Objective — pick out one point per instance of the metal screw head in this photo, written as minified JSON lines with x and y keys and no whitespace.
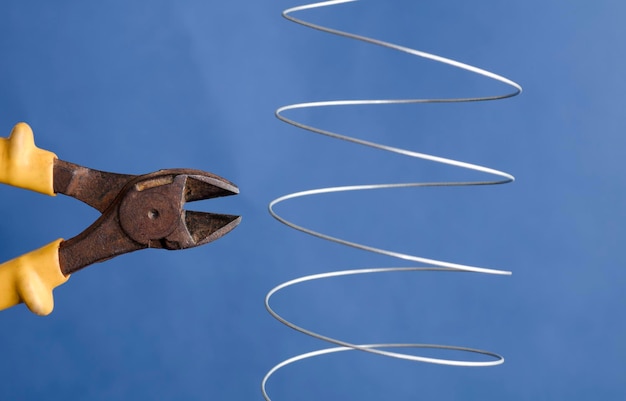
{"x":148,"y":213}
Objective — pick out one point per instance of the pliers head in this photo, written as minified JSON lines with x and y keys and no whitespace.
{"x":151,"y":209}
{"x":147,"y":212}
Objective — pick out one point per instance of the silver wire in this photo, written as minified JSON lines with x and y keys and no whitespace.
{"x":431,"y":264}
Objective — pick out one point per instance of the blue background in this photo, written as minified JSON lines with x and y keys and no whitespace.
{"x":133,"y":87}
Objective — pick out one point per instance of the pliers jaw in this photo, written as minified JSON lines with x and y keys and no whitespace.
{"x":147,"y":213}
{"x":151,"y":210}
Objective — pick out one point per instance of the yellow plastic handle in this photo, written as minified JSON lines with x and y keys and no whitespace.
{"x":30,"y":278}
{"x":24,"y":165}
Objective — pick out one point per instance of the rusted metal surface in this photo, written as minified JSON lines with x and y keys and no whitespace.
{"x":93,"y":187}
{"x":140,"y":212}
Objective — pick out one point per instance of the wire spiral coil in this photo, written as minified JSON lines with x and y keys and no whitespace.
{"x":500,"y":177}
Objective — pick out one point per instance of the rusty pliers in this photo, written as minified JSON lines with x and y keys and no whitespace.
{"x":138,"y":212}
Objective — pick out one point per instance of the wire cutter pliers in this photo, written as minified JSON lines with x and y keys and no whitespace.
{"x":138,"y":212}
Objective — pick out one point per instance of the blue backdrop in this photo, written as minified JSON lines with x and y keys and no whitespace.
{"x":133,"y":87}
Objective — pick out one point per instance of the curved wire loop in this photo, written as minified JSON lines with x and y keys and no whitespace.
{"x":500,"y":177}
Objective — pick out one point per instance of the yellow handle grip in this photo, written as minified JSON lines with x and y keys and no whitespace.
{"x":30,"y":278}
{"x":24,"y":165}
